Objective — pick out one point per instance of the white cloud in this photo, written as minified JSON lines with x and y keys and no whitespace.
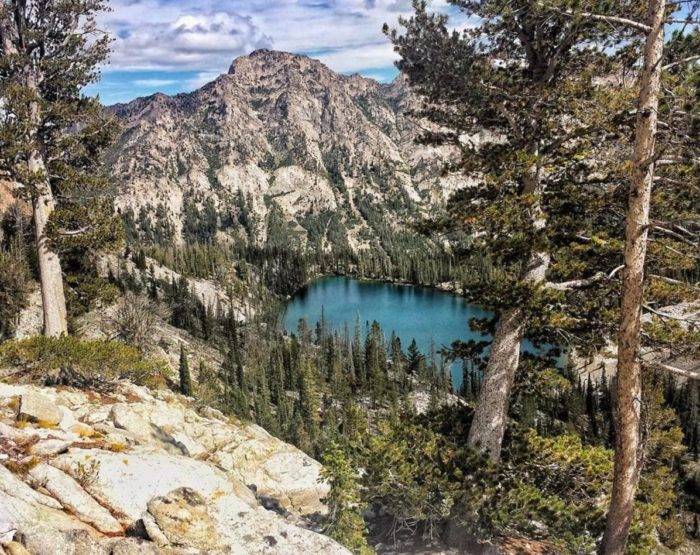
{"x":202,"y":78}
{"x":154,"y":82}
{"x":366,"y":56}
{"x":190,"y":41}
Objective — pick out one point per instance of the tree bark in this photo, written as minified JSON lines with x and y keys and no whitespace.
{"x":52,"y":295}
{"x":629,"y":388}
{"x":491,"y":413}
{"x":53,"y":298}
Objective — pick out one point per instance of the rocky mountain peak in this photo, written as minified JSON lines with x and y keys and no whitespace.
{"x":266,"y":70}
{"x":277,"y":127}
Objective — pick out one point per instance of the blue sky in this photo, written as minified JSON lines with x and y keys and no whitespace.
{"x":178,"y":45}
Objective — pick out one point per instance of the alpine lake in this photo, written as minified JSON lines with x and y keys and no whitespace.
{"x":433,"y":318}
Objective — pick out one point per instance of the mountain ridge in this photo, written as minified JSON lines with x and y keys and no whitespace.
{"x":282,"y":129}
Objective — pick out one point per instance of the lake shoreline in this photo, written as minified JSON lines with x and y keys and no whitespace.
{"x":445,"y":287}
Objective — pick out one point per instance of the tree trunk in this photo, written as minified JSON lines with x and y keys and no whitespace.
{"x":629,"y":389}
{"x":52,"y":296}
{"x":491,"y":413}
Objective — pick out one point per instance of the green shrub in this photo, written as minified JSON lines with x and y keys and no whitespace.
{"x":344,"y":521}
{"x":552,"y":488}
{"x":418,"y":474}
{"x":94,"y":360}
{"x":547,"y":488}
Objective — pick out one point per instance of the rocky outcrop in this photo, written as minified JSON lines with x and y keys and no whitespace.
{"x":139,"y":471}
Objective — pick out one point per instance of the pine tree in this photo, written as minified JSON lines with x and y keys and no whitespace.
{"x":375,"y":362}
{"x":276,"y":374}
{"x":358,"y":357}
{"x":185,"y":379}
{"x":206,"y":321}
{"x":235,"y":396}
{"x":284,"y":417}
{"x":261,"y":403}
{"x":140,"y":260}
{"x":344,"y":521}
{"x":526,"y":75}
{"x":52,"y":136}
{"x":308,"y":401}
{"x":299,"y":435}
{"x":415,"y":359}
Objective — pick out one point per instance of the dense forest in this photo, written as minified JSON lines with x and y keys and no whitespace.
{"x":581,"y":230}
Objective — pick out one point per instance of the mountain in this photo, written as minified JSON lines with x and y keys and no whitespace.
{"x":278,"y":130}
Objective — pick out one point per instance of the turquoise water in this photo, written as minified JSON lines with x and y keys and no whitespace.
{"x":419,"y":313}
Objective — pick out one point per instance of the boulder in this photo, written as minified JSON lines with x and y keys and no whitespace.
{"x":50,"y":447}
{"x":151,"y":463}
{"x":276,"y":470}
{"x":188,"y":446}
{"x":184,"y":519}
{"x":35,"y":407}
{"x":44,"y":530}
{"x":15,"y":434}
{"x":127,"y":419}
{"x":15,"y":548}
{"x":155,"y":534}
{"x":67,"y":419}
{"x":256,"y":530}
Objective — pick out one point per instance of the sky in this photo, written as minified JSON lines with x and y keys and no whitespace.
{"x":176,"y":46}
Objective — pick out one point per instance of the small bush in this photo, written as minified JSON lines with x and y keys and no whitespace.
{"x":22,"y":467}
{"x":117,"y":447}
{"x":88,"y":362}
{"x":134,"y":321}
{"x":87,"y":473}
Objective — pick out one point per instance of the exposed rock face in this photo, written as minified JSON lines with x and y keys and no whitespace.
{"x":278,"y":127}
{"x":74,"y":499}
{"x":141,"y":460}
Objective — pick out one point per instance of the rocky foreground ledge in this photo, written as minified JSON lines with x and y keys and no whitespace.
{"x":140,"y":471}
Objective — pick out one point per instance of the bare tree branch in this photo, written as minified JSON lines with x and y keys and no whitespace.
{"x":580,"y":283}
{"x":609,"y":19}
{"x":670,"y":316}
{"x":681,"y":62}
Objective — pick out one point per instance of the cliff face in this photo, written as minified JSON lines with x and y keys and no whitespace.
{"x":135,"y":471}
{"x":277,"y":128}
